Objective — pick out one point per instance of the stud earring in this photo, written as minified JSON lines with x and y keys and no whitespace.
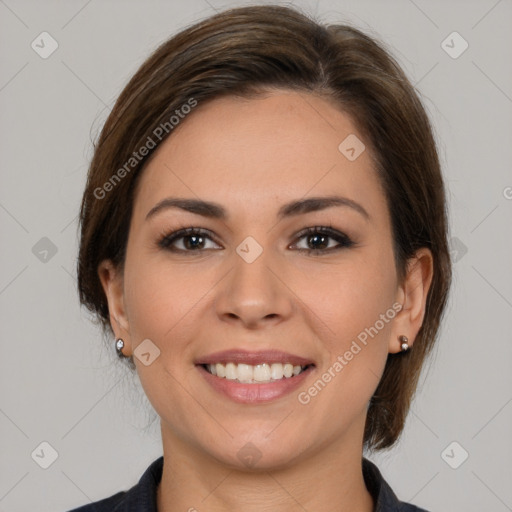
{"x":403,"y":341}
{"x":119,"y":347}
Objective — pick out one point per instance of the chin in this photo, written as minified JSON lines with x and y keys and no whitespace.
{"x":258,"y":452}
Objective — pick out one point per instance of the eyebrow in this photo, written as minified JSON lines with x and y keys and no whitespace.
{"x":216,"y":211}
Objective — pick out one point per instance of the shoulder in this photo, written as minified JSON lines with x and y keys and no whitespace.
{"x":384,"y":497}
{"x":140,"y":498}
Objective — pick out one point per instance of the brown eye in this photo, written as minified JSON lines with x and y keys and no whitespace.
{"x":190,"y":239}
{"x":318,"y":240}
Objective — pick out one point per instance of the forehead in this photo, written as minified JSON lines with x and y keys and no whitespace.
{"x":256,"y":153}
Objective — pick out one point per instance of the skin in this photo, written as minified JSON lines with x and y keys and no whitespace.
{"x":252,"y":156}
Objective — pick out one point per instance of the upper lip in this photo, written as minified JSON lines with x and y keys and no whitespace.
{"x":253,"y":357}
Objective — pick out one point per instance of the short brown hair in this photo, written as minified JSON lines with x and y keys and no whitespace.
{"x":245,"y":52}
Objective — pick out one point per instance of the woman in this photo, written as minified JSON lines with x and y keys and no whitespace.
{"x":264,"y":234}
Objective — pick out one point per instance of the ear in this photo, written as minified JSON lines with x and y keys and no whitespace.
{"x":111,"y":279}
{"x":412,"y":294}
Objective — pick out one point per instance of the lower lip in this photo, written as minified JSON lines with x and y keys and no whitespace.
{"x":254,"y":393}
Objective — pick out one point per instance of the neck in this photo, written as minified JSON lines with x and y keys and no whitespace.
{"x":330,"y":479}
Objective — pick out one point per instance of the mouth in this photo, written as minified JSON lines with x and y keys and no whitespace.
{"x":255,"y":374}
{"x":254,"y":377}
{"x":254,"y":367}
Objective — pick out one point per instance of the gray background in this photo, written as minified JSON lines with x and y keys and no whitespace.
{"x":60,"y":384}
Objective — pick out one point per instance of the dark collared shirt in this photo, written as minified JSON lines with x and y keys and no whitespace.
{"x":142,"y":496}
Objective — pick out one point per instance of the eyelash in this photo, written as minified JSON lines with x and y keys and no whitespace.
{"x":166,"y":241}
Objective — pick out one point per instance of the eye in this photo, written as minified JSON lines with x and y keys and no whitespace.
{"x":191,"y":240}
{"x":317,"y":240}
{"x":194,"y":239}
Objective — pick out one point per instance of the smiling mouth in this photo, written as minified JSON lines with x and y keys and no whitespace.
{"x":255,"y":374}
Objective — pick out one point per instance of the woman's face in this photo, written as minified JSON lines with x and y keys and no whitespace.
{"x":246,"y":283}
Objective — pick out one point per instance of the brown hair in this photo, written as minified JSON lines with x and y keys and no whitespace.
{"x":247,"y":51}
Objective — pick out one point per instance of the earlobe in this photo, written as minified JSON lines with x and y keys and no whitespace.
{"x":112,"y":283}
{"x":412,"y":294}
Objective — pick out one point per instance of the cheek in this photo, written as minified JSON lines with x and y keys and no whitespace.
{"x":359,"y":314}
{"x":157,"y":296}
{"x":157,"y":302}
{"x":355,"y":304}
{"x":350,"y":296}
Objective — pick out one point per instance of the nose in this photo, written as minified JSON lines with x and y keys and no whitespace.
{"x":254,"y":294}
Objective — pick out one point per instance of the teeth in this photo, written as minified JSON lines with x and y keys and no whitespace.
{"x":262,"y":373}
{"x":276,"y":371}
{"x":247,"y":373}
{"x":231,"y":371}
{"x":220,"y":369}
